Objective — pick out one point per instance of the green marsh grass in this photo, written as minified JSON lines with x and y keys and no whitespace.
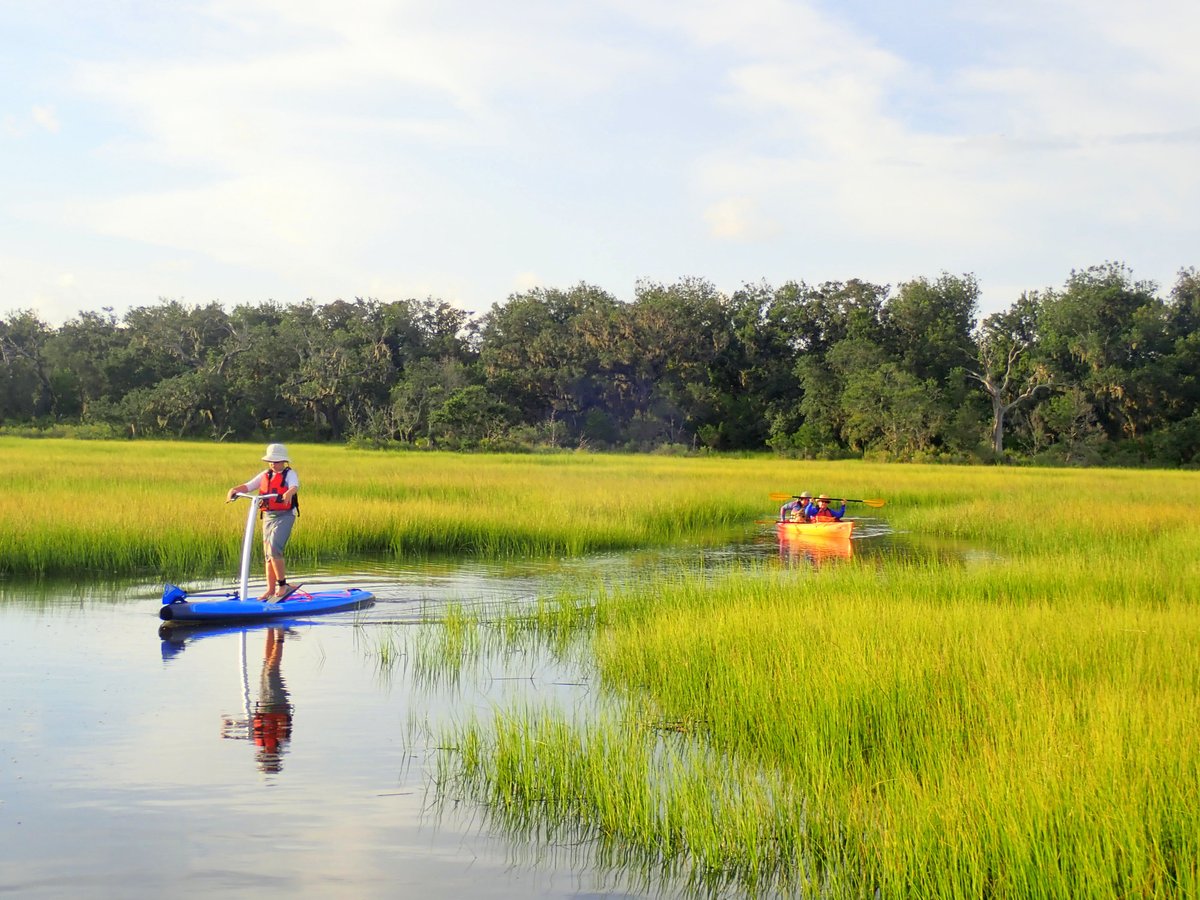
{"x":1023,"y":724}
{"x":137,"y":507}
{"x":1019,"y":721}
{"x":449,"y":639}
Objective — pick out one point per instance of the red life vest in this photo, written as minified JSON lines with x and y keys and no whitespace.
{"x":275,"y":483}
{"x":824,"y":515}
{"x":272,"y":729}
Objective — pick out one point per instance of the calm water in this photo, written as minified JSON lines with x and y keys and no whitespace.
{"x":273,"y":762}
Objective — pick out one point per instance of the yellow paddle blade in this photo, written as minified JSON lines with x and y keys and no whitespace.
{"x":781,"y":496}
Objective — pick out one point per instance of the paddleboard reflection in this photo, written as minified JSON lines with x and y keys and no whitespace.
{"x":266,"y":717}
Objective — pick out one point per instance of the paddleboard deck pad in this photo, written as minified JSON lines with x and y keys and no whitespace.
{"x":177,"y":606}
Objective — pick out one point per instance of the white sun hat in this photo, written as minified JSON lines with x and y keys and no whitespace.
{"x":276,"y":453}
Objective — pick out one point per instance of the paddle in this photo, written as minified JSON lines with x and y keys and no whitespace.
{"x":798,"y":521}
{"x":875,"y":503}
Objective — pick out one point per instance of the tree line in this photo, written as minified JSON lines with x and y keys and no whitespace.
{"x":1104,"y":369}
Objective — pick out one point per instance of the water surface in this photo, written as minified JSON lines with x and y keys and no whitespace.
{"x":279,"y":761}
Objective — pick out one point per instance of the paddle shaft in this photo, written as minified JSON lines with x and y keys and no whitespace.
{"x":787,"y":522}
{"x":873,"y":502}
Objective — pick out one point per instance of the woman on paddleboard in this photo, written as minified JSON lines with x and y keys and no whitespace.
{"x":278,"y":485}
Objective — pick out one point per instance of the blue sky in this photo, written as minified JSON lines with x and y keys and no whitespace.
{"x":251,"y":150}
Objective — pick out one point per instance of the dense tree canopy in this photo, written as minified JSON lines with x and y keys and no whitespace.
{"x":1103,"y":369}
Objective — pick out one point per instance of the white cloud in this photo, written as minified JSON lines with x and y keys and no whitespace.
{"x":899,"y":159}
{"x":455,"y":149}
{"x":290,"y":153}
{"x":45,"y":117}
{"x":737,"y":218}
{"x":40,"y":285}
{"x":363,"y":68}
{"x":526,"y":281}
{"x":39,"y":117}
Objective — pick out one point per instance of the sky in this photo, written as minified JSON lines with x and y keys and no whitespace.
{"x":244,"y":151}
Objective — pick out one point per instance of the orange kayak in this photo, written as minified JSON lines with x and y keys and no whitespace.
{"x":818,"y":531}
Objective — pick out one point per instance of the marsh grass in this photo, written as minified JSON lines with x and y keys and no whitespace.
{"x":1050,"y":742}
{"x":549,"y":779}
{"x":449,"y":640}
{"x":120,"y":507}
{"x":1022,"y":726}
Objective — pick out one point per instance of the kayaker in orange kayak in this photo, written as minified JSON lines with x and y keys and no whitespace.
{"x":820,"y":511}
{"x":796,"y":509}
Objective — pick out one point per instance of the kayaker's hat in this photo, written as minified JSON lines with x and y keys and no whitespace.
{"x":805,"y":495}
{"x":824,"y":497}
{"x":275,"y":453}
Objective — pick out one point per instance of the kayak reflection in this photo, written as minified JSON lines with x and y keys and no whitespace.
{"x":268,"y":723}
{"x":800,"y":549}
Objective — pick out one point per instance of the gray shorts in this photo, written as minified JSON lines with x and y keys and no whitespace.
{"x":277,"y":528}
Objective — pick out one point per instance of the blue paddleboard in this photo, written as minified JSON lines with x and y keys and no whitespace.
{"x":237,"y":606}
{"x":177,"y":607}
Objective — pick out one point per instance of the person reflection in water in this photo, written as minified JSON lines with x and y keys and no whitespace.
{"x":271,"y":723}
